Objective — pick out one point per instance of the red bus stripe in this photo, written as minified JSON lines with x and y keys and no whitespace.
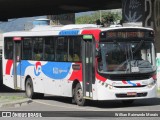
{"x":8,"y":67}
{"x":125,"y":82}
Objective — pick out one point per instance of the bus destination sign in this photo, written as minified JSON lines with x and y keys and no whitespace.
{"x":125,"y":34}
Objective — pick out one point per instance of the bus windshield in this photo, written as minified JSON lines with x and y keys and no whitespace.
{"x":126,"y":57}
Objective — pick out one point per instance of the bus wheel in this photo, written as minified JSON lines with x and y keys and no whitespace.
{"x":30,"y":92}
{"x":127,"y":102}
{"x":73,"y":96}
{"x":29,"y":88}
{"x":78,"y":95}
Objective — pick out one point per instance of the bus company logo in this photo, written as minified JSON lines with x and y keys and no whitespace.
{"x":37,"y":68}
{"x":58,"y":71}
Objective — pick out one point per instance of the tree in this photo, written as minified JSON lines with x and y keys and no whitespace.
{"x":107,"y":17}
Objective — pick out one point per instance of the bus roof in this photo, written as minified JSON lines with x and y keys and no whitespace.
{"x":116,"y":28}
{"x":73,"y":29}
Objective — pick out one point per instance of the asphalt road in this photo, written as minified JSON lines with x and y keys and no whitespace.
{"x":62,"y":108}
{"x":54,"y":103}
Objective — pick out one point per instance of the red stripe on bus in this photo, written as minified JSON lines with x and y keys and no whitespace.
{"x":76,"y":74}
{"x":125,"y":82}
{"x":8,"y":66}
{"x":100,"y":77}
{"x":138,"y":84}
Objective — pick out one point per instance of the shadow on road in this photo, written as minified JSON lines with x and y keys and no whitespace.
{"x":5,"y":89}
{"x":108,"y":104}
{"x":59,"y":99}
{"x":119,"y":104}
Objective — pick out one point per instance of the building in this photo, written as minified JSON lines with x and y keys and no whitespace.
{"x":62,"y":19}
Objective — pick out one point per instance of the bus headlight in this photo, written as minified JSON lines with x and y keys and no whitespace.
{"x":109,"y":86}
{"x":154,"y":77}
{"x":152,"y":84}
{"x":106,"y":85}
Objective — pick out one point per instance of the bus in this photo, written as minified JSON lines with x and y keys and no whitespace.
{"x":84,"y":62}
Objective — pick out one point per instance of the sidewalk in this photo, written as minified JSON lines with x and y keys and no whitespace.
{"x":9,"y":102}
{"x":12,"y":98}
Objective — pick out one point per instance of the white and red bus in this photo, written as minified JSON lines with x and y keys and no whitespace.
{"x":82,"y":62}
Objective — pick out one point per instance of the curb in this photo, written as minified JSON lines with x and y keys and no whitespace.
{"x":16,"y":103}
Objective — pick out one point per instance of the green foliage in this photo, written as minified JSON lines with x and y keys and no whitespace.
{"x":91,"y":19}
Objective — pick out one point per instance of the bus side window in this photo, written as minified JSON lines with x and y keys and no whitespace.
{"x":70,"y":58}
{"x":76,"y":57}
{"x":74,"y":49}
{"x":27,"y":49}
{"x":65,"y":57}
{"x":38,"y":49}
{"x":8,"y":48}
{"x":49,"y":54}
{"x":62,"y":49}
{"x":38,"y":56}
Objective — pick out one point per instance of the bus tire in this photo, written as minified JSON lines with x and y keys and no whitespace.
{"x":73,"y":98}
{"x":127,"y":102}
{"x":78,"y":95}
{"x":29,"y":89}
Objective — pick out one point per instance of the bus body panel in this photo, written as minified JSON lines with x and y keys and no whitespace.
{"x":56,"y":78}
{"x":50,"y":77}
{"x":8,"y":73}
{"x":109,"y":89}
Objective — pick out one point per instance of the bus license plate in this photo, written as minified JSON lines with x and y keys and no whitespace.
{"x":131,"y":93}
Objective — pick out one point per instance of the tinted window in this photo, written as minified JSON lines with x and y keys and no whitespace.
{"x":74,"y":49}
{"x":49,"y":54}
{"x":62,"y":49}
{"x":38,"y":48}
{"x":27,"y":49}
{"x":8,"y":48}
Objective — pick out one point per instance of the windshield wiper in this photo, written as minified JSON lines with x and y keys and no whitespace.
{"x":121,"y":65}
{"x":138,"y":46}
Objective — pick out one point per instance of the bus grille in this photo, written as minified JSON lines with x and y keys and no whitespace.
{"x":129,"y":86}
{"x":129,"y":77}
{"x":125,"y":95}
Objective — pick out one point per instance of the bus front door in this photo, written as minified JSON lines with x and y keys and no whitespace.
{"x":88,"y":68}
{"x":17,"y":64}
